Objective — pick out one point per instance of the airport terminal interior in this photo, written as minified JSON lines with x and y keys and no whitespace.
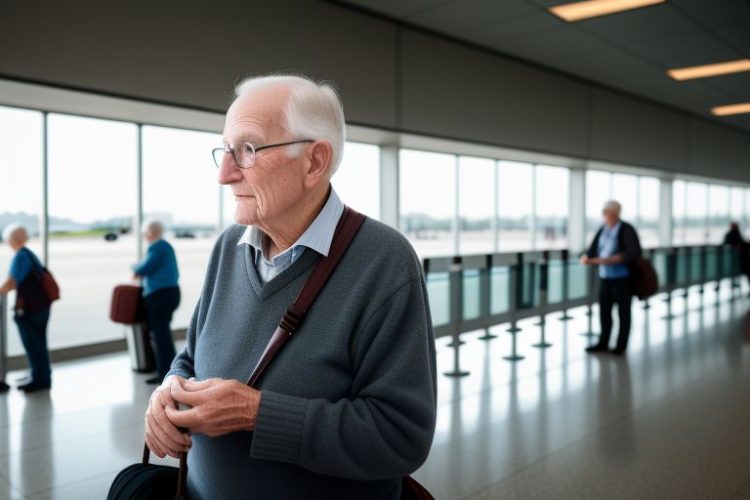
{"x":496,"y":136}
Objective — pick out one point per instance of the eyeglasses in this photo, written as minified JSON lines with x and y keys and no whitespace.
{"x":244,"y":155}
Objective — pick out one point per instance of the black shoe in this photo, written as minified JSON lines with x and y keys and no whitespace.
{"x":596,"y":348}
{"x":33,"y":387}
{"x":154,"y":380}
{"x":618,"y":352}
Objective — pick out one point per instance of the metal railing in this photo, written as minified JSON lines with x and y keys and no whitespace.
{"x":474,"y":292}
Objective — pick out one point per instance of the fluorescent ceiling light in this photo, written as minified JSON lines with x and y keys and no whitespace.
{"x":731,"y":109}
{"x":723,"y":68}
{"x":594,"y":8}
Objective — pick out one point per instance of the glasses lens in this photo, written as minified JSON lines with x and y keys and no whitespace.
{"x":218,"y":155}
{"x":245,"y":155}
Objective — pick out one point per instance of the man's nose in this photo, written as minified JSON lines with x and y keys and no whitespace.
{"x":229,"y":172}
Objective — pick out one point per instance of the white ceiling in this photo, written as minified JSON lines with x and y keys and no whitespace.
{"x":629,"y":51}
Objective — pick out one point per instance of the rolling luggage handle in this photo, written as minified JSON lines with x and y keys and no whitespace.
{"x":346,"y":229}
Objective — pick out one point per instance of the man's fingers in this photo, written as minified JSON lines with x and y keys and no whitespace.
{"x":186,"y":418}
{"x":170,"y":435}
{"x":194,"y":385}
{"x":191,"y":398}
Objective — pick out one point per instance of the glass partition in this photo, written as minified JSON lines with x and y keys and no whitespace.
{"x":427,"y":214}
{"x":476,"y":202}
{"x":181,"y":190}
{"x":92,"y":206}
{"x":357,"y":180}
{"x":514,"y":206}
{"x":21,"y":193}
{"x":551,"y":210}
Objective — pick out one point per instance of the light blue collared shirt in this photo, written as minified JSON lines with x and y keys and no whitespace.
{"x":318,"y":237}
{"x":608,"y":247}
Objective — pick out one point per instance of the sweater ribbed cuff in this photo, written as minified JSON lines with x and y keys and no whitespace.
{"x":278,"y":428}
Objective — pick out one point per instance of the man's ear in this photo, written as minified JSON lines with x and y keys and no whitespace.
{"x":319,"y":156}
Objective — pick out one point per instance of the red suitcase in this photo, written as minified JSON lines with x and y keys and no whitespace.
{"x":127,"y":305}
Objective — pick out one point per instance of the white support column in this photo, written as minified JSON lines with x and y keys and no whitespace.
{"x":138,"y":219}
{"x":456,"y":207}
{"x":389,"y":186}
{"x":533,"y":224}
{"x":665,"y":212}
{"x":577,"y":212}
{"x":495,"y":226}
{"x":44,"y":216}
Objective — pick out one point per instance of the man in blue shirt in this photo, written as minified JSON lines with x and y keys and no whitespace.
{"x":32,"y":308}
{"x":614,"y":249}
{"x":161,"y":293}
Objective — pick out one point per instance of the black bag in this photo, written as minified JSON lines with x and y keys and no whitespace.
{"x":645,"y":279}
{"x":38,"y":290}
{"x":145,"y":482}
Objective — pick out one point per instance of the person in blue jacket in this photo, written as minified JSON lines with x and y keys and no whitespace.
{"x":161,"y":293}
{"x":32,"y":309}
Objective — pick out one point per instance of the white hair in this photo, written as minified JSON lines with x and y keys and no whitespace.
{"x":613,"y":206}
{"x":314,"y":110}
{"x":153,"y":225}
{"x":13,"y":231}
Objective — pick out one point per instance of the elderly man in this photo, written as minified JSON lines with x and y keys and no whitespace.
{"x":615,"y":248}
{"x":348,"y":406}
{"x":32,"y":308}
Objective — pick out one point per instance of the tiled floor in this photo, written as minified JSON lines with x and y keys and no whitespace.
{"x":672,"y":420}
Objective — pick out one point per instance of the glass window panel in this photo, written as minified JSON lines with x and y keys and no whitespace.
{"x":357,"y":180}
{"x":476,"y":204}
{"x":552,"y":192}
{"x":92,"y":194}
{"x":597,"y":194}
{"x":649,"y":195}
{"x":20,"y":190}
{"x":718,"y":213}
{"x":180,"y":189}
{"x":737,"y":206}
{"x":427,"y":201}
{"x":471,"y":294}
{"x":577,"y":280}
{"x":500,"y":290}
{"x":514,"y":205}
{"x":695,"y":213}
{"x":438,"y":289}
{"x":625,"y":191}
{"x":679,"y":217}
{"x":555,"y":281}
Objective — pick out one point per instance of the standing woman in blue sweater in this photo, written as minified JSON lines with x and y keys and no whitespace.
{"x":161,"y":293}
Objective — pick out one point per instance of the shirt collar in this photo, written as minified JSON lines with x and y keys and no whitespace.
{"x":318,"y":235}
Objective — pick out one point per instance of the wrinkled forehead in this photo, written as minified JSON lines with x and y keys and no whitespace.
{"x":256,"y":116}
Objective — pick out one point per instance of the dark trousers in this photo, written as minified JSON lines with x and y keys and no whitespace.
{"x":160,"y":305}
{"x":33,"y":330}
{"x":615,"y":291}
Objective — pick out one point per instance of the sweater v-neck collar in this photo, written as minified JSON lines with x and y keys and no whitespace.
{"x":266,"y":290}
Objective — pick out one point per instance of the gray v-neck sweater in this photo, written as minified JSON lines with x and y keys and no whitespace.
{"x":348,"y":405}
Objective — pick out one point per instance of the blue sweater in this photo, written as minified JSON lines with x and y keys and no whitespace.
{"x":158,"y":268}
{"x":348,"y":405}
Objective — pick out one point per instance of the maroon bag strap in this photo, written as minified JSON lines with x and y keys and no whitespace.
{"x":346,"y":230}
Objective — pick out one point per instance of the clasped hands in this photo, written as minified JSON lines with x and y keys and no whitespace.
{"x":217,"y":407}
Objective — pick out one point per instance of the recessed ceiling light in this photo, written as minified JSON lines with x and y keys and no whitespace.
{"x":731,"y":109}
{"x":706,"y":70}
{"x":594,"y":8}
